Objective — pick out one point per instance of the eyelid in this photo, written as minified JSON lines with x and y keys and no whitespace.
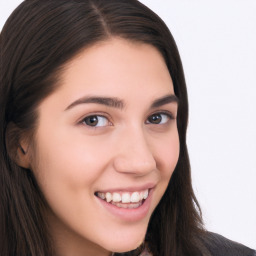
{"x":100,"y":114}
{"x":81,"y":120}
{"x":170,"y":114}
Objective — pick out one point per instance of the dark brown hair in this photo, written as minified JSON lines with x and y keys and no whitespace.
{"x":38,"y":39}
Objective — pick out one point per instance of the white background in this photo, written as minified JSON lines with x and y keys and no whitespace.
{"x":217,"y":43}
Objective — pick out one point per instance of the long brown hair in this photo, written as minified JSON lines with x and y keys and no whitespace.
{"x":38,"y":39}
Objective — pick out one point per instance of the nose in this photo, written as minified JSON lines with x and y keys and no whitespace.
{"x":134,"y":154}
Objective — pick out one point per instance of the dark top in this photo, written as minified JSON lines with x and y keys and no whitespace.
{"x":217,"y":245}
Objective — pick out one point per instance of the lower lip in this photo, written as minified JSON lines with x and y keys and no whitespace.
{"x":126,"y":214}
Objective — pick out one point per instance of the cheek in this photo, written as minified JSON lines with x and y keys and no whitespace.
{"x":65,"y":169}
{"x":168,"y":155}
{"x":67,"y":157}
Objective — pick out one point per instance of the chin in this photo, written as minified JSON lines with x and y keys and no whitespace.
{"x":124,"y":242}
{"x":126,"y":247}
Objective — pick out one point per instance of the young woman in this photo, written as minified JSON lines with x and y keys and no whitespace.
{"x":93,"y":114}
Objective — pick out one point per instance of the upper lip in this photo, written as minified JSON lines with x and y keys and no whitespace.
{"x":129,"y":188}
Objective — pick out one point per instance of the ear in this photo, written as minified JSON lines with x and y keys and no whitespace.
{"x":17,"y":146}
{"x":22,"y":157}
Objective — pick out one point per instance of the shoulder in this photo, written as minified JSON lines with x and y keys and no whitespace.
{"x":218,"y":245}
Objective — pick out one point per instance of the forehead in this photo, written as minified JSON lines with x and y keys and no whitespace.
{"x":117,"y":58}
{"x":116,"y":68}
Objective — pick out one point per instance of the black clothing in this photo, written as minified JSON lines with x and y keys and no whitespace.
{"x":217,"y":245}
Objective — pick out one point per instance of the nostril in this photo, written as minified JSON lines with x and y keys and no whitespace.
{"x":134,"y":165}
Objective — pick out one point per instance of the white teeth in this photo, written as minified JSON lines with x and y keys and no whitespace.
{"x":101,"y":195}
{"x":128,"y":206}
{"x":116,"y":197}
{"x":135,"y":198}
{"x":108,"y":197}
{"x":141,"y":195}
{"x":124,"y":198}
{"x":145,"y":194}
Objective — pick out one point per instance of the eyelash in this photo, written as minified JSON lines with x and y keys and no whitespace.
{"x":169,"y":116}
{"x":99,"y":117}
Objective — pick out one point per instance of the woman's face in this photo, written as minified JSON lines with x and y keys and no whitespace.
{"x":106,"y":147}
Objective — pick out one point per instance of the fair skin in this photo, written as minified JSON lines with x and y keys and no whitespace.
{"x":109,"y":127}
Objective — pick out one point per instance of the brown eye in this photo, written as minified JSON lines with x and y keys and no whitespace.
{"x":155,"y":119}
{"x":159,"y":118}
{"x":96,"y":121}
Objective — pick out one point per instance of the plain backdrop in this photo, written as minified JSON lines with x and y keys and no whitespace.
{"x":217,"y":43}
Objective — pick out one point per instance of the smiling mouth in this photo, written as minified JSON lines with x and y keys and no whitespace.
{"x":128,"y":200}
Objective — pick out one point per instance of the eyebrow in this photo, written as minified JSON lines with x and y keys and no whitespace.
{"x":110,"y":102}
{"x":171,"y":98}
{"x":118,"y":103}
